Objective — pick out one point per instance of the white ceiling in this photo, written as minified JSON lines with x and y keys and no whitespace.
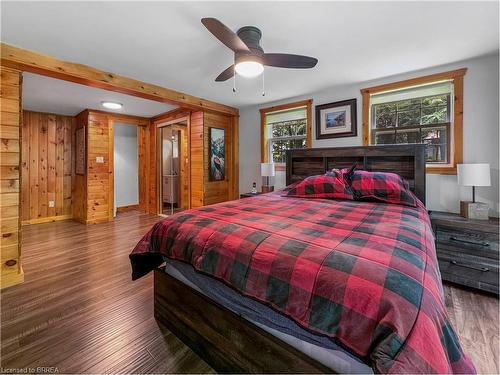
{"x":44,"y":94}
{"x":165,"y":43}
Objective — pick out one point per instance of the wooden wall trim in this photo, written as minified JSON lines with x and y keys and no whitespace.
{"x":452,"y":74}
{"x":174,"y":114}
{"x":126,"y":119}
{"x":457,"y":77}
{"x":24,"y":60}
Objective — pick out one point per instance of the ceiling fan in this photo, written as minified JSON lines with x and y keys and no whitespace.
{"x":249,"y":57}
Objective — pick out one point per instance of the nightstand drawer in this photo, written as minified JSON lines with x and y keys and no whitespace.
{"x":471,"y":242}
{"x":471,"y":271}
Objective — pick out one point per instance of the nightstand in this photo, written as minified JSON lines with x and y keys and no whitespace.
{"x":249,"y":195}
{"x":467,"y":250}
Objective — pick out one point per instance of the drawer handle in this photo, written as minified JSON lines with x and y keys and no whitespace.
{"x":452,"y":238}
{"x":482,"y":269}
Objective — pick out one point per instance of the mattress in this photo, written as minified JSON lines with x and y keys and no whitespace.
{"x":319,"y":347}
{"x":362,"y":273}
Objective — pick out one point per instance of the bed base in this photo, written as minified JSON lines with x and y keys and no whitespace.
{"x":225,"y":340}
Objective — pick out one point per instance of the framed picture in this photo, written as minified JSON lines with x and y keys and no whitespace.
{"x":81,"y":159}
{"x":335,"y":120}
{"x":217,"y":155}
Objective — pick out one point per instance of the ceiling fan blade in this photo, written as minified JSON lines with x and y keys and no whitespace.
{"x":285,"y":60}
{"x":224,"y":34}
{"x":226,"y":74}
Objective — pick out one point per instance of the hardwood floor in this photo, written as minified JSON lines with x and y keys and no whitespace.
{"x":79,"y":311}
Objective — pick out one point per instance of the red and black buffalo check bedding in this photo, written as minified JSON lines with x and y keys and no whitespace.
{"x":363,"y":273}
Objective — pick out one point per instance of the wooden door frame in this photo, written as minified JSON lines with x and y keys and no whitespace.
{"x":159,"y":179}
{"x":125,"y":120}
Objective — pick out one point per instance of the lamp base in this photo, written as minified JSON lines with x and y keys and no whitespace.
{"x":267,"y":188}
{"x":474,"y":210}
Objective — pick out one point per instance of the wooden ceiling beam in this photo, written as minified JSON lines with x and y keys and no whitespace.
{"x":34,"y":62}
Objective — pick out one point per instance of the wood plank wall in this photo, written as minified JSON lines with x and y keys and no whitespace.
{"x":47,"y":166}
{"x":94,"y":193}
{"x":203,"y":191}
{"x":219,"y":191}
{"x":10,"y":134}
{"x":98,"y":174}
{"x":197,"y":160}
{"x":153,"y":195}
{"x":80,"y":181}
{"x":143,"y":154}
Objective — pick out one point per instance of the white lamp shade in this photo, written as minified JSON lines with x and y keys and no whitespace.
{"x":267,"y":169}
{"x":474,"y":174}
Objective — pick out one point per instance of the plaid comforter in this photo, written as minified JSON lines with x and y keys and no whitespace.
{"x":362,"y":273}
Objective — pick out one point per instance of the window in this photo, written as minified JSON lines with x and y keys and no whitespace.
{"x":418,"y":118}
{"x":425,"y":110}
{"x":285,"y":127}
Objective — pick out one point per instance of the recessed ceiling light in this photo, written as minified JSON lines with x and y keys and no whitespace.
{"x":112,"y":105}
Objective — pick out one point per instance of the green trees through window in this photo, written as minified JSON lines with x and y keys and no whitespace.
{"x":417,"y":120}
{"x":286,"y":135}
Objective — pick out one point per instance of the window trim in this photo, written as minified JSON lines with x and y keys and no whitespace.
{"x":457,"y":77}
{"x":264,"y":144}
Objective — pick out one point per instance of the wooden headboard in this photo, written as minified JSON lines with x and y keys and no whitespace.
{"x":406,"y":160}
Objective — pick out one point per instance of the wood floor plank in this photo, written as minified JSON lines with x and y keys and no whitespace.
{"x":79,"y":311}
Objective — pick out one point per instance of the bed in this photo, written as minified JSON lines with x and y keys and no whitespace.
{"x":354,"y":286}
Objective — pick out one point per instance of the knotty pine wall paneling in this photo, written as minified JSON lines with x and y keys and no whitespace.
{"x":197,"y":160}
{"x":80,"y":181}
{"x":93,"y":193}
{"x":10,"y":177}
{"x":47,"y":167}
{"x":98,"y":174}
{"x":218,"y":191}
{"x":153,"y":196}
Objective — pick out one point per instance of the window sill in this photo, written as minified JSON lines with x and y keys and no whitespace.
{"x":441,"y":170}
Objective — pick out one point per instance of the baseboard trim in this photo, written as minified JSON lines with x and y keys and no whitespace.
{"x":9,"y":279}
{"x":46,"y":219}
{"x":127,"y":208}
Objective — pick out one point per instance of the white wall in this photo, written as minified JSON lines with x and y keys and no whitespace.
{"x":126,"y":165}
{"x":481,"y":131}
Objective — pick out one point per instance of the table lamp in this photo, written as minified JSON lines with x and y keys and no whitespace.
{"x":474,"y":175}
{"x":267,"y":171}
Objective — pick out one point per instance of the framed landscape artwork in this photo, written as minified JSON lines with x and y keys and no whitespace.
{"x":217,"y":155}
{"x":335,"y":120}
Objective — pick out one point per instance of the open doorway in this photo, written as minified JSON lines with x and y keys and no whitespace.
{"x":126,"y":167}
{"x":173,"y":161}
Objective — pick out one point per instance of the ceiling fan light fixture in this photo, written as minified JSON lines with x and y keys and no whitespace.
{"x":249,"y":69}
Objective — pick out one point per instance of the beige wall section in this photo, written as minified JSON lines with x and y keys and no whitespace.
{"x":47,"y":167}
{"x":11,"y":137}
{"x":480,"y":132}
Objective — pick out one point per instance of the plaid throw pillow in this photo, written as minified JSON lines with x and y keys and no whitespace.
{"x":381,"y":186}
{"x":330,"y":185}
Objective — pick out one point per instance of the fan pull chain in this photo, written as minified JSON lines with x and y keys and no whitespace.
{"x":263,"y":84}
{"x":234,"y":81}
